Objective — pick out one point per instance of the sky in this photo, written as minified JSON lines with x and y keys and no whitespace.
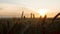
{"x":15,"y":7}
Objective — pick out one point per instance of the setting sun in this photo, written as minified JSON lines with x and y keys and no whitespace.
{"x":42,"y":12}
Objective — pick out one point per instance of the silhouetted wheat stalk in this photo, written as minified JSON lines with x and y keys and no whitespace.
{"x":55,"y":17}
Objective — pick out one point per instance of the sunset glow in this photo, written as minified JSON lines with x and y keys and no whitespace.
{"x":38,"y":7}
{"x":42,"y":12}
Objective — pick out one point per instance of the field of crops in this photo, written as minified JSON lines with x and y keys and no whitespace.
{"x":29,"y":26}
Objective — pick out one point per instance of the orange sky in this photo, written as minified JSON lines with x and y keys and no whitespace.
{"x":15,"y":7}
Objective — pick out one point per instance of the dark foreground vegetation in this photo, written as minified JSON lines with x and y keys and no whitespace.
{"x":29,"y":26}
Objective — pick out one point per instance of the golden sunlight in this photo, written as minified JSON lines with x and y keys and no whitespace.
{"x":42,"y":12}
